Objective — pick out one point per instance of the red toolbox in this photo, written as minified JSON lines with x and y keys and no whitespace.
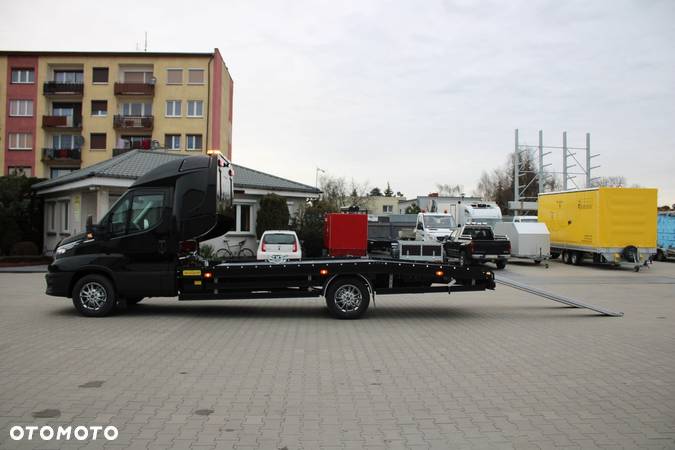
{"x":346,"y":234}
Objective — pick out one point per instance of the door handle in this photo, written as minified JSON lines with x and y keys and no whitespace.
{"x":161,"y":246}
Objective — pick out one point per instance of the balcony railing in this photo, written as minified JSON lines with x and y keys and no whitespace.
{"x":140,"y":123}
{"x":51,"y":155}
{"x":67,"y":122}
{"x":134,"y":89}
{"x":56,"y":88}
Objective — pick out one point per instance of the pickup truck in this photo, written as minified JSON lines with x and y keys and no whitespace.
{"x":478,"y":243}
{"x":147,"y":246}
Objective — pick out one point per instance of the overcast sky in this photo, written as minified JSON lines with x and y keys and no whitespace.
{"x":414,"y":93}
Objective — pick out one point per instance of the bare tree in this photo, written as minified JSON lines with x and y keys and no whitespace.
{"x":450,"y":190}
{"x":334,"y":191}
{"x":610,"y":181}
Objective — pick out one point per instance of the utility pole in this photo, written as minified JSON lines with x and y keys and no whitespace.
{"x":316,"y":181}
{"x":516,"y":173}
{"x":564,"y":166}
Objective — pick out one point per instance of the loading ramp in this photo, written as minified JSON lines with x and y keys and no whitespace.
{"x":555,"y":297}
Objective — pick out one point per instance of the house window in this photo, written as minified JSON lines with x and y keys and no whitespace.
{"x":21,"y":108}
{"x":174,"y":76}
{"x":173,"y":108}
{"x":99,"y":107}
{"x":59,"y":171}
{"x":194,"y":141}
{"x":172,"y":141}
{"x":19,"y":171}
{"x":68,"y":76}
{"x":64,"y":206}
{"x":387,"y":208}
{"x":137,"y":109}
{"x":195,"y":108}
{"x":195,"y":76}
{"x":100,"y":75}
{"x":50,"y":213}
{"x":138,"y":77}
{"x":244,"y":218}
{"x":97,"y":141}
{"x":137,"y":142}
{"x":23,"y":76}
{"x":20,"y":141}
{"x":63,"y":141}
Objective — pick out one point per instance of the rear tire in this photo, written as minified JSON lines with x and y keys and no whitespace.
{"x":347,"y":298}
{"x":94,"y":296}
{"x":554,"y":255}
{"x":576,"y":258}
{"x":567,"y":257}
{"x":501,"y":264}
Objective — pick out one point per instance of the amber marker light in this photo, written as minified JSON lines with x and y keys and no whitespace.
{"x":323,"y":272}
{"x":208,"y":275}
{"x":440,"y":273}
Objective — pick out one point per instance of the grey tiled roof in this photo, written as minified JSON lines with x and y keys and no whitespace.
{"x":135,"y":163}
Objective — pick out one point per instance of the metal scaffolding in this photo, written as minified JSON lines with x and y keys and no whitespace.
{"x":569,"y":161}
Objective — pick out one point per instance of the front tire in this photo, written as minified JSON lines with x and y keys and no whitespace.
{"x":347,"y":298}
{"x":94,"y":296}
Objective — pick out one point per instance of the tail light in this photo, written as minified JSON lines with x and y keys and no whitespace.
{"x":187,"y":247}
{"x":264,"y":247}
{"x":295,"y":246}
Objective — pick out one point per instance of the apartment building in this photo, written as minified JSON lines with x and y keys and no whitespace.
{"x":63,"y":111}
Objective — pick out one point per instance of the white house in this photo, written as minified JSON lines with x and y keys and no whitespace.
{"x":71,"y":198}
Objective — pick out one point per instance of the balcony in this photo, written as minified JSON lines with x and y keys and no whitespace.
{"x":62,"y":122}
{"x":57,"y":88}
{"x":136,"y":123}
{"x":134,"y":89}
{"x":61,"y":155}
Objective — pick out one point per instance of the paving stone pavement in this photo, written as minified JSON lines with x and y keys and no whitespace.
{"x":500,"y":369}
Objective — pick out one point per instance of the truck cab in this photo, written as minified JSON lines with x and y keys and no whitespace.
{"x":133,"y":251}
{"x":434,"y":226}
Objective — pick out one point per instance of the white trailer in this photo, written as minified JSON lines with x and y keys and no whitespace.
{"x":529,"y":239}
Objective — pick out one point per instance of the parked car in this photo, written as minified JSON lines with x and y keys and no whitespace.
{"x":478,"y":243}
{"x":279,"y":244}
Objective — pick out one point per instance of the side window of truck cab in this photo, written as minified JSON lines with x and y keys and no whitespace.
{"x":118,"y":217}
{"x":136,"y":212}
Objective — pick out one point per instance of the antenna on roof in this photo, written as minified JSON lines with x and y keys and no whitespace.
{"x":145,"y":47}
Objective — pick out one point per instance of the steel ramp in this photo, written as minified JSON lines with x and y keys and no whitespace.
{"x":556,"y":298}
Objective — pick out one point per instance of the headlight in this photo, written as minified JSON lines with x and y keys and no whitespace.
{"x":64,"y":248}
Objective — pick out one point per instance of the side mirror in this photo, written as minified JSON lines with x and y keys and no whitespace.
{"x":93,"y":231}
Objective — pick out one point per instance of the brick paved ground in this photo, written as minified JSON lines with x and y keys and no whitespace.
{"x":499,"y":369}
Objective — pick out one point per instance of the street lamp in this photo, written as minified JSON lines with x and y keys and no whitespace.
{"x":316,"y":181}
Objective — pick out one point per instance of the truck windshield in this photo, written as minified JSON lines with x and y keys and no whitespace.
{"x":439,"y":222}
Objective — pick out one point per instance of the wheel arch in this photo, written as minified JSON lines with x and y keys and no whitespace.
{"x":90,"y":271}
{"x":339,"y":276}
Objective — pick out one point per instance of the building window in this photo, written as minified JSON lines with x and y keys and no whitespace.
{"x":195,"y":76}
{"x":173,"y":108}
{"x":97,"y":141}
{"x":63,"y":141}
{"x":50,"y":213}
{"x":100,"y":75}
{"x":21,"y":108}
{"x":137,"y":109}
{"x":20,"y":171}
{"x":68,"y":76}
{"x":23,"y":76}
{"x":194,"y":141}
{"x":99,"y":107}
{"x":195,"y":108}
{"x":20,"y":141}
{"x":172,"y":141}
{"x":174,"y":76}
{"x":58,"y":171}
{"x":65,"y":210}
{"x":244,"y":218}
{"x":387,"y":208}
{"x":139,"y":77}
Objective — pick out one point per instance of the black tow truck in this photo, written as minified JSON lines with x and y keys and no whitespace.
{"x":147,"y":246}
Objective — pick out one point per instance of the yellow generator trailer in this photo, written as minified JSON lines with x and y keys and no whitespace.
{"x":609,"y":225}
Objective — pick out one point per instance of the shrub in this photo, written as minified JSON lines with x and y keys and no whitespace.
{"x":206,"y":251}
{"x":309,"y":226}
{"x":20,"y":212}
{"x":24,"y":248}
{"x":273,"y":214}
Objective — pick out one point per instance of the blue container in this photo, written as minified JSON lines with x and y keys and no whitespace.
{"x":665,"y":238}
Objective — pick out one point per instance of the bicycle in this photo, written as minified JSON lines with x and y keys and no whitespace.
{"x":226,"y":253}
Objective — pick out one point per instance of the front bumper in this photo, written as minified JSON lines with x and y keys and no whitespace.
{"x":58,"y":283}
